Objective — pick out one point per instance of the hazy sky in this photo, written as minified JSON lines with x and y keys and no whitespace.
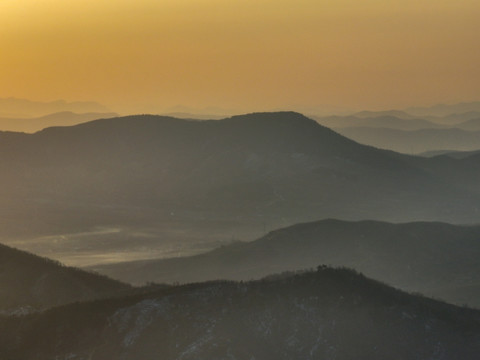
{"x":241,"y":54}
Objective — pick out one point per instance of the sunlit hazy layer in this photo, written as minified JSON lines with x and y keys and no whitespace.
{"x":106,"y":245}
{"x":241,"y":55}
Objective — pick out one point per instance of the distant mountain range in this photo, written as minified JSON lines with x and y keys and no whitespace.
{"x":415,"y":142}
{"x":376,"y":121}
{"x":401,"y":132}
{"x":455,"y":118}
{"x":386,"y":120}
{"x":23,"y":108}
{"x":399,"y":114}
{"x":441,"y":114}
{"x":64,"y":118}
{"x":194,"y":116}
{"x":323,"y":314}
{"x":29,"y":282}
{"x":253,"y":172}
{"x":445,"y":109}
{"x":436,"y":259}
{"x":470,"y":125}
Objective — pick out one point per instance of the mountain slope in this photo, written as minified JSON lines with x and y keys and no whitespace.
{"x":317,"y":315}
{"x":242,"y":175}
{"x":436,"y":259}
{"x":30,"y":281}
{"x":264,"y":158}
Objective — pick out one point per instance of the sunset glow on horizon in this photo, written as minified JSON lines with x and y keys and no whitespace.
{"x":150,"y":55}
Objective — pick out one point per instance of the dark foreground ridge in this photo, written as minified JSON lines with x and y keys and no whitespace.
{"x":323,"y":314}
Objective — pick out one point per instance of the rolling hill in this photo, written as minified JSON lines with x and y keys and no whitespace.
{"x":436,"y":259}
{"x":328,"y":313}
{"x":31,"y":282}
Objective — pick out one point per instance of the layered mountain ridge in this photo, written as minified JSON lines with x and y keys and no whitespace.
{"x":435,"y":259}
{"x":329,"y":313}
{"x":235,"y":177}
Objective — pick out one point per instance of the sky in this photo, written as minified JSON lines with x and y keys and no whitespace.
{"x":241,"y":55}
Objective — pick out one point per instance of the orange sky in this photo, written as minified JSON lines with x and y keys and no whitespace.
{"x":148,"y":55}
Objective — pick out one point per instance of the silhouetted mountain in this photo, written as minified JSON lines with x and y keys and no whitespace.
{"x":437,"y":259}
{"x":414,"y":142}
{"x":327,"y":314}
{"x":383,"y":121}
{"x":251,"y":172}
{"x":23,"y":108}
{"x":64,"y":118}
{"x":29,"y":281}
